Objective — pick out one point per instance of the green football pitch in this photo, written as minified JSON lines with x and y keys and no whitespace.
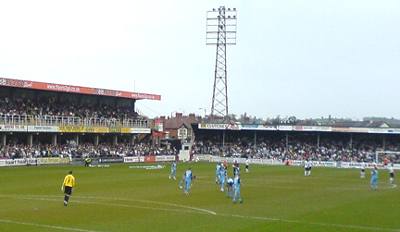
{"x":121,"y":198}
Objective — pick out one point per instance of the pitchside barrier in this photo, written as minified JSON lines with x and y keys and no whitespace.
{"x":172,"y":158}
{"x":331,"y":164}
{"x":218,"y":159}
{"x":149,"y":159}
{"x":34,"y":162}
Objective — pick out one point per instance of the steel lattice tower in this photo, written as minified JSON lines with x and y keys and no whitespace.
{"x":221,"y":31}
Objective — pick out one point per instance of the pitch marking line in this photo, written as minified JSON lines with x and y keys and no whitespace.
{"x":384,"y":187}
{"x":46,"y":226}
{"x":191,"y":209}
{"x":312,"y":223}
{"x":117,"y":205}
{"x":198,"y":210}
{"x":153,"y":202}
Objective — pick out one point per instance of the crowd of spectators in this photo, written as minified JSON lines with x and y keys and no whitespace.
{"x":328,"y":149}
{"x":51,"y":107}
{"x":270,"y":147}
{"x":72,"y":150}
{"x":296,"y":149}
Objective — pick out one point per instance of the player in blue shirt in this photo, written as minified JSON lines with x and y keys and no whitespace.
{"x":235,"y":167}
{"x":374,"y":179}
{"x":229,"y":187}
{"x":222,"y":177}
{"x":237,"y":171}
{"x":217,"y":173}
{"x":182,"y":181}
{"x":237,"y":183}
{"x":173,"y":171}
{"x":188,"y":180}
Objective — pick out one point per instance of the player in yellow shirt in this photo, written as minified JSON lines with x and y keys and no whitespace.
{"x":67,"y":186}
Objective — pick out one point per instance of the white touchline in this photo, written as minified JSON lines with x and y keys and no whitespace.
{"x":46,"y":226}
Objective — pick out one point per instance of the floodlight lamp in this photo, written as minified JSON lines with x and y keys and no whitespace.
{"x":234,"y":9}
{"x":229,"y":8}
{"x":213,"y":9}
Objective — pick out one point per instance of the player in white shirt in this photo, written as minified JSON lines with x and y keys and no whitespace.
{"x":391,"y":175}
{"x":362,"y":172}
{"x":247,"y":163}
{"x":307,"y":168}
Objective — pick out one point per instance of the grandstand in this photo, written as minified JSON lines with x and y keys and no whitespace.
{"x":352,"y":143}
{"x":34,"y":113}
{"x":51,"y":120}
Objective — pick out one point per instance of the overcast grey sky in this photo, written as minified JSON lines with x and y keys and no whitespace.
{"x":306,"y":58}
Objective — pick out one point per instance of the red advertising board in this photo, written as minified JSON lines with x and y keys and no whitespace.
{"x":75,"y":89}
{"x":149,"y":159}
{"x":157,"y":134}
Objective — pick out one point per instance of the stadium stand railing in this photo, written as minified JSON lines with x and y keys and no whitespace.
{"x":40,"y":120}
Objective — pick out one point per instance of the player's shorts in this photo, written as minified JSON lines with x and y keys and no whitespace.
{"x":68,"y":190}
{"x":392,"y":174}
{"x":247,"y":166}
{"x":188,"y":182}
{"x":237,"y":190}
{"x":222,"y":180}
{"x":363,"y":170}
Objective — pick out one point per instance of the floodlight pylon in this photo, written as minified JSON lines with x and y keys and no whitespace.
{"x":220,"y":31}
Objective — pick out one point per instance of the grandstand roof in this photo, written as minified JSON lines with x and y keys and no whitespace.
{"x":360,"y":124}
{"x":75,"y":89}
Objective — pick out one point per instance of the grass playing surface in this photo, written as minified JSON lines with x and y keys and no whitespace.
{"x":119,"y":198}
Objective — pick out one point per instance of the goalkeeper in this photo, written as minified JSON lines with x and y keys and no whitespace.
{"x":67,"y":186}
